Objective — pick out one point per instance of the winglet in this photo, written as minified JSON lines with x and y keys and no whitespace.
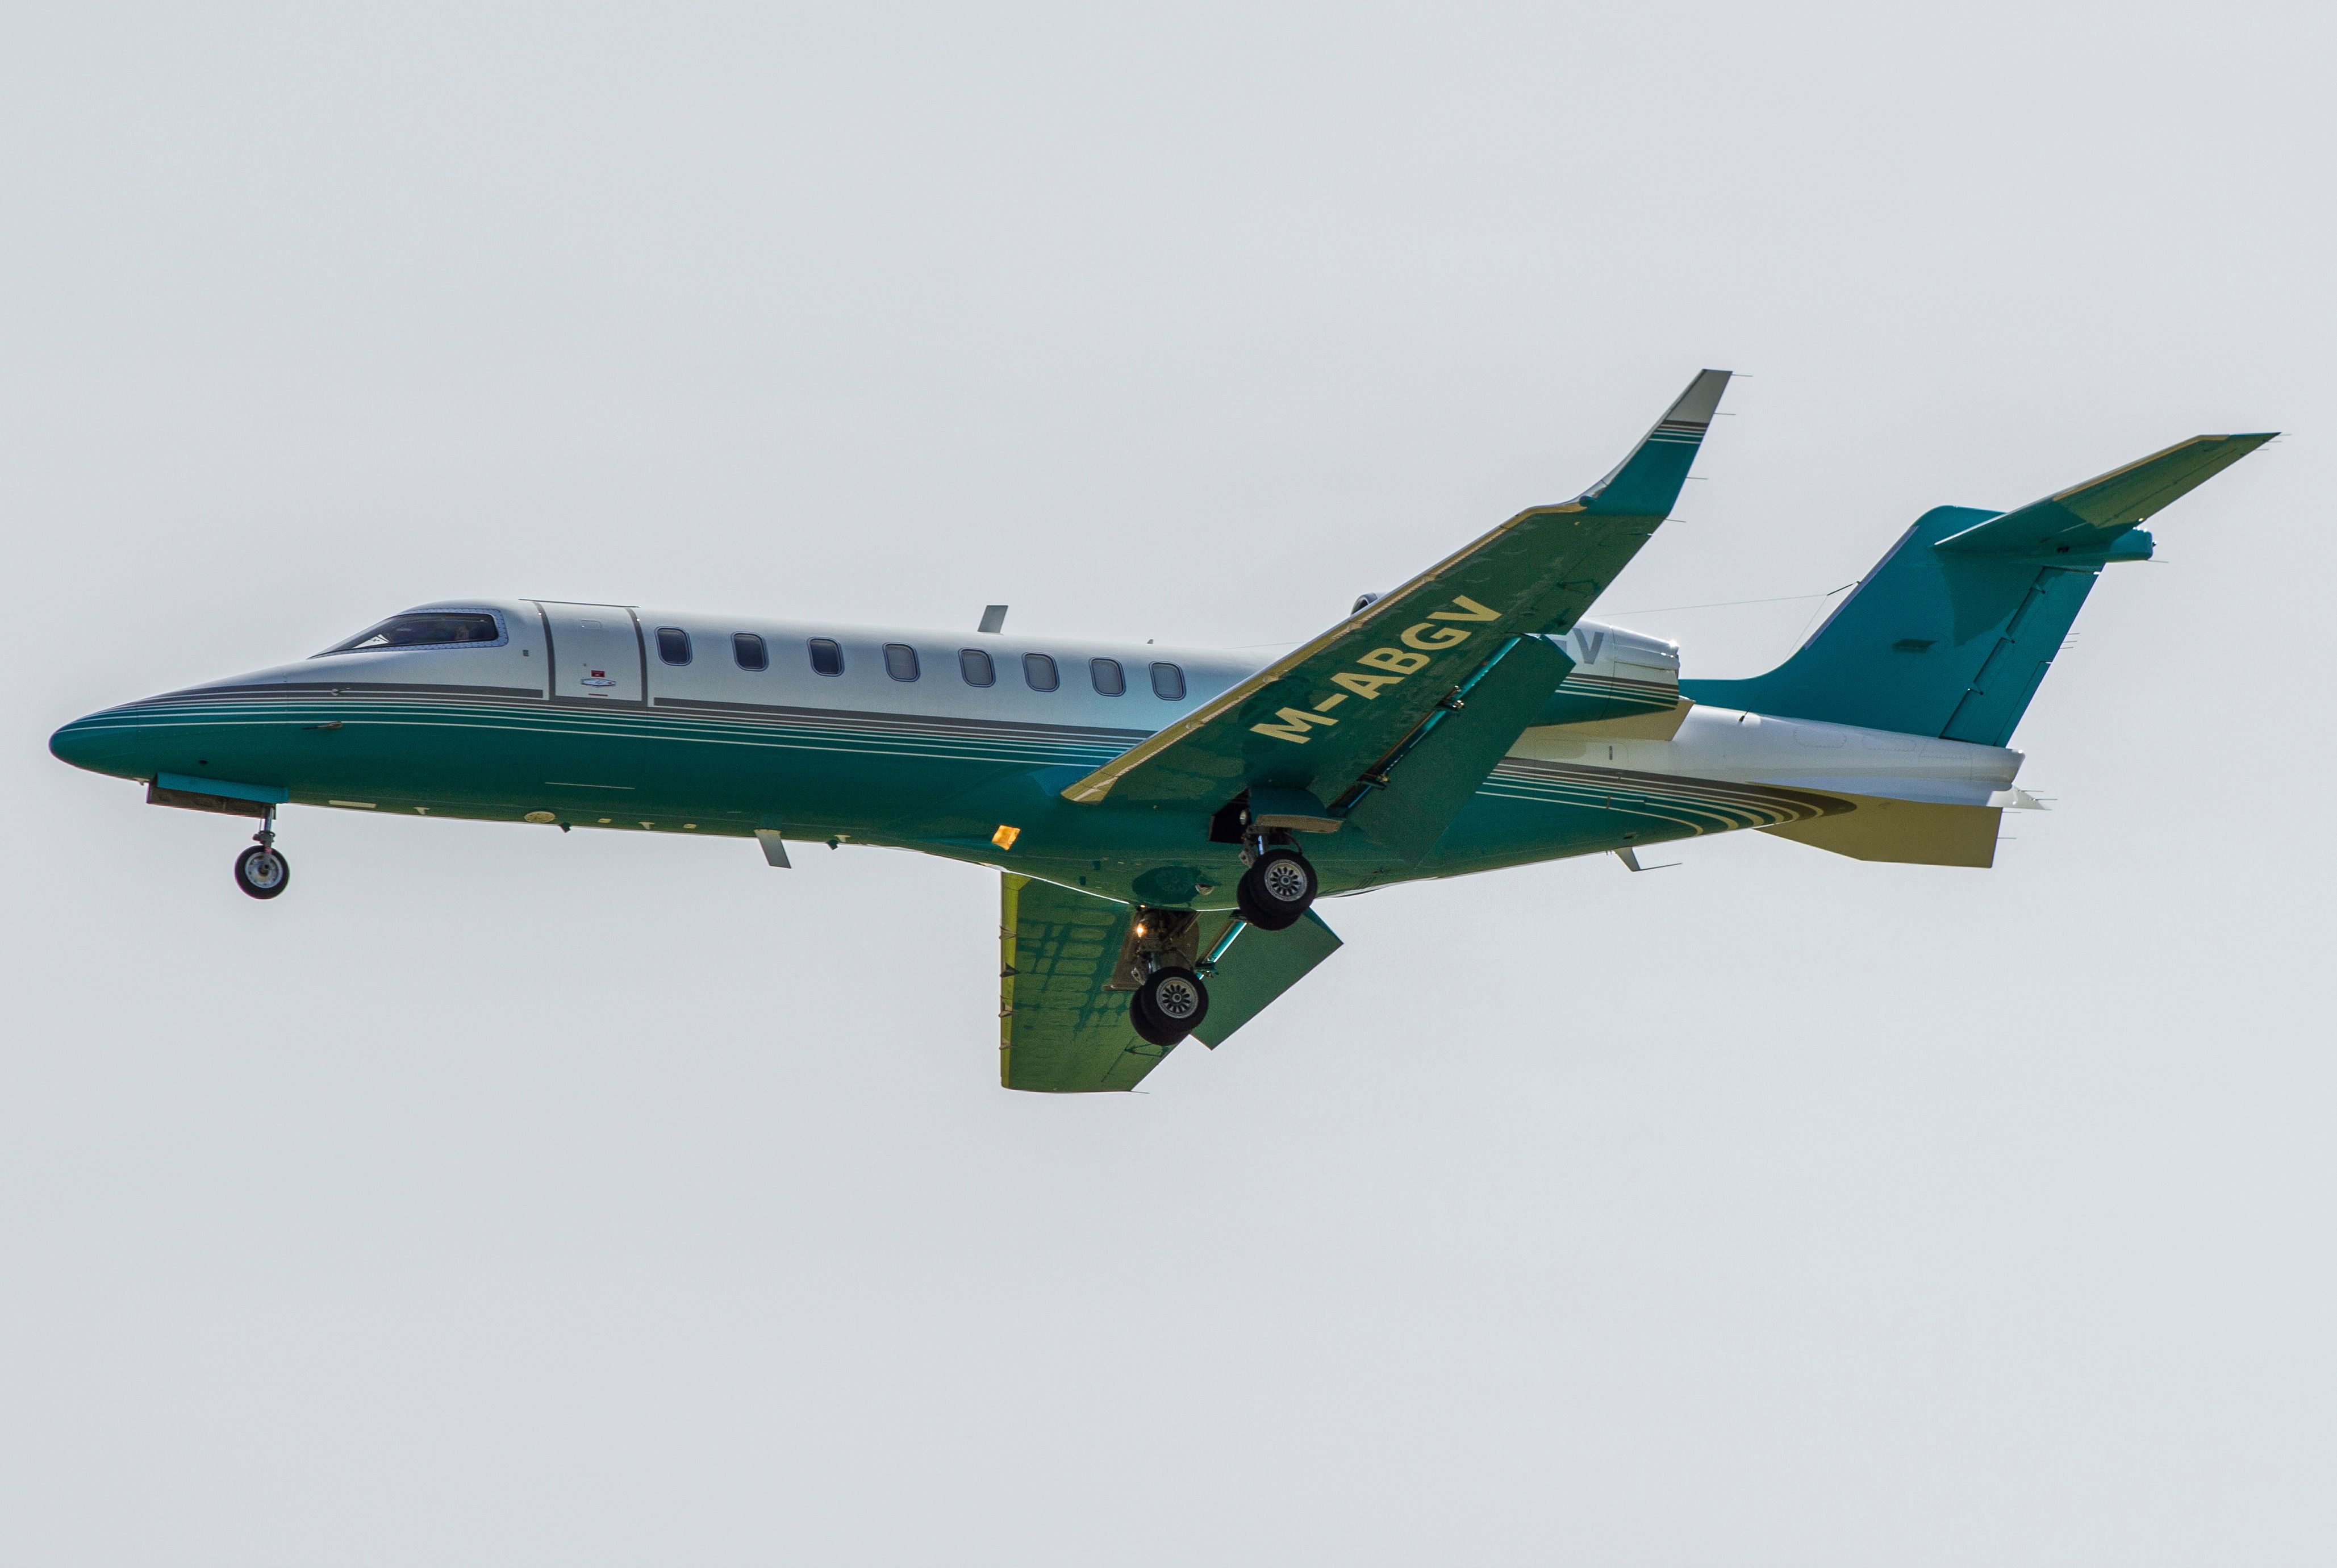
{"x":1647,"y":482}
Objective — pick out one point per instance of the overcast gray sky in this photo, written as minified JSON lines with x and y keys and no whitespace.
{"x":504,"y":1197}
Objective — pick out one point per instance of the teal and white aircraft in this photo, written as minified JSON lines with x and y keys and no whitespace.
{"x":1165,"y":819}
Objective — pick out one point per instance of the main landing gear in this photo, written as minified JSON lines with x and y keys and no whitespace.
{"x":1168,"y":1005}
{"x":261,"y":870}
{"x":1161,"y":963}
{"x":1277,"y":888}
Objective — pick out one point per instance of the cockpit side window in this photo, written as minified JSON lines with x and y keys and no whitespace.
{"x":424,"y":628}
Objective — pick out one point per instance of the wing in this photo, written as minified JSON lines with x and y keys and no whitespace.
{"x":1063,"y":1030}
{"x":1321,"y":719}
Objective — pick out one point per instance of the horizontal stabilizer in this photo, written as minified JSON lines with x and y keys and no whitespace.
{"x":2087,"y":519}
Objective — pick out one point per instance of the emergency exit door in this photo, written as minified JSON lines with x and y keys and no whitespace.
{"x":595,"y":652}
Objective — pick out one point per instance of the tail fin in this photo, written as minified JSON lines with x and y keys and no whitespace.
{"x":1951,"y":632}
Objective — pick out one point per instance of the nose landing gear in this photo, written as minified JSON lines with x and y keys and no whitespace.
{"x":261,"y":871}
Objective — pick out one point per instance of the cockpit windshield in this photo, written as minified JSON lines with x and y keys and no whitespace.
{"x":423,"y":629}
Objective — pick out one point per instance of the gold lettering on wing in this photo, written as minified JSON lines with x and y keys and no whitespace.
{"x":1294,"y":721}
{"x":1420,"y":642}
{"x":1365,"y":686}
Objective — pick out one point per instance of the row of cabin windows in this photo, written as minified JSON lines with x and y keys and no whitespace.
{"x":974,"y":664}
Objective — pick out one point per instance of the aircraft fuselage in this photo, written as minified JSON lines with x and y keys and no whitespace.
{"x":953,"y":744}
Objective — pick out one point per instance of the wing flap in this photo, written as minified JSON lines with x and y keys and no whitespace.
{"x":1435,"y":779}
{"x":1258,"y":968}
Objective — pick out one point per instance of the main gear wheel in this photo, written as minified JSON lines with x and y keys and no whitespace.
{"x":1168,"y":1005}
{"x":1276,"y":889}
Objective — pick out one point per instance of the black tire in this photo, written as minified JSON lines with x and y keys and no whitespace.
{"x":1168,"y":1005}
{"x":1274,"y":893}
{"x":262,"y":872}
{"x":1148,"y":1026}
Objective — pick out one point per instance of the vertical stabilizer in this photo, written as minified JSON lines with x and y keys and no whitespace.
{"x":1952,"y":632}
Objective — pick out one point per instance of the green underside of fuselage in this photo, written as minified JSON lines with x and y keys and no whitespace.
{"x":942,"y":786}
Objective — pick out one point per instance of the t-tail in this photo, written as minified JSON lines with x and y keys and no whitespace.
{"x":1952,"y":632}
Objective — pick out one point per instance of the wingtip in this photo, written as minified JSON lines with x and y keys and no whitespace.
{"x":1698,"y":405}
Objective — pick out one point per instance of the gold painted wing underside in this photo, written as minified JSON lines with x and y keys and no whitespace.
{"x":1060,"y":1030}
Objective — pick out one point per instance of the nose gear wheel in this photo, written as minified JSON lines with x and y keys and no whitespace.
{"x":263,"y":871}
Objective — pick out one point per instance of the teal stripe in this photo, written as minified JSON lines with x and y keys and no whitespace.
{"x":905,"y":742}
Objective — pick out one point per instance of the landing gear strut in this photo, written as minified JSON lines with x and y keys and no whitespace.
{"x":1159,"y":963}
{"x":1277,"y":888}
{"x":261,"y":870}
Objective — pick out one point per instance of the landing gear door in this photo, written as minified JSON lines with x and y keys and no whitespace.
{"x":595,"y":653}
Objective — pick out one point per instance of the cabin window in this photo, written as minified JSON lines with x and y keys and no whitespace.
{"x":1168,"y":683}
{"x":1039,"y":671}
{"x":975,"y":666}
{"x":749,"y":650}
{"x":438,"y":628}
{"x":900,"y":661}
{"x":673,"y":644}
{"x":1105,"y":673}
{"x":826,"y":656}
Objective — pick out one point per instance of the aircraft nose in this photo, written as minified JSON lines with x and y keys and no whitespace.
{"x":73,"y":744}
{"x":93,"y":744}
